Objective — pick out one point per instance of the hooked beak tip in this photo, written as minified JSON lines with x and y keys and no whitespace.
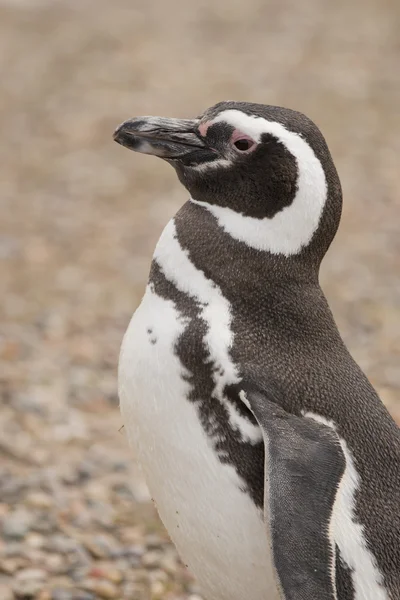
{"x":124,"y":131}
{"x":116,"y":133}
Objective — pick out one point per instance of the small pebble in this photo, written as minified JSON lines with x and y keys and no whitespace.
{"x":12,"y":548}
{"x":135,"y":590}
{"x":17,"y":525}
{"x":35,"y":540}
{"x":10,"y":565}
{"x":157,"y":589}
{"x":106,"y":572}
{"x":31,"y":575}
{"x":101,"y":587}
{"x":27,"y":590}
{"x":60,"y":544}
{"x":55,"y":563}
{"x":99,"y":546}
{"x":39,"y":500}
{"x":44,"y":522}
{"x":151,"y":560}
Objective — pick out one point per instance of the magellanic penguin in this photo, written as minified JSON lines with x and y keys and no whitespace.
{"x":273,"y":463}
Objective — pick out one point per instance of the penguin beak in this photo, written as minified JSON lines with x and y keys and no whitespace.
{"x":170,"y":139}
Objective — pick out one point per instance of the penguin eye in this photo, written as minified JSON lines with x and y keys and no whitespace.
{"x":243,"y":144}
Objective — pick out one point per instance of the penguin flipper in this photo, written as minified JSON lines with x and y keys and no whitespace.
{"x":303,"y":467}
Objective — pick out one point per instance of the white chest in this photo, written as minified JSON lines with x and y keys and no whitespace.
{"x":216,"y":527}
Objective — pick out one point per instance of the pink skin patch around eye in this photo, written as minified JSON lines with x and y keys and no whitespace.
{"x":239,"y":135}
{"x":203,"y":128}
{"x":236,"y":135}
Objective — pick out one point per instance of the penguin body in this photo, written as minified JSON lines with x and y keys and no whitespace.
{"x":198,"y":492}
{"x":272,"y":461}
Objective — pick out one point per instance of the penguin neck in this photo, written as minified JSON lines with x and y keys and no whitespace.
{"x":234,"y":266}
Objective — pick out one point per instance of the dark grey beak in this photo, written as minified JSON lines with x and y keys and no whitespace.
{"x":167,"y":138}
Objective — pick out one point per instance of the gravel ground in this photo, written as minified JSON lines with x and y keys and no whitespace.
{"x":80,"y":217}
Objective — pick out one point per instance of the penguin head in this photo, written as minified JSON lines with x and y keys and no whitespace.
{"x":265,"y":172}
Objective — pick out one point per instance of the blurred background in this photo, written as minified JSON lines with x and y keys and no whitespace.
{"x":79,"y":220}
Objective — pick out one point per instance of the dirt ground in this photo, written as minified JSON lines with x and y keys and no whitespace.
{"x":79,"y":220}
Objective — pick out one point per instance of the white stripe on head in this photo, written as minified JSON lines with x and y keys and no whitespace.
{"x":292,"y":228}
{"x":348,"y":534}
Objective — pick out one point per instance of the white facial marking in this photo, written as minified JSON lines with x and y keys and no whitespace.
{"x":176,"y":265}
{"x":293,"y":227}
{"x":212,"y":164}
{"x":347,"y":534}
{"x":145,"y":147}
